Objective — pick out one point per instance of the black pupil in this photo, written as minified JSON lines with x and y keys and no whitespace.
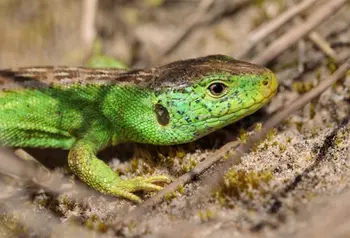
{"x":217,"y":88}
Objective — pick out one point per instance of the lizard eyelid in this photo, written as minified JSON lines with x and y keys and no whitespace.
{"x":217,"y":89}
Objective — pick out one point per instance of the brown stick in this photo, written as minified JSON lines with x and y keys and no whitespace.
{"x":36,"y":173}
{"x":323,"y":45}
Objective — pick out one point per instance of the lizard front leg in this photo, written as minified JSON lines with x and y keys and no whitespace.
{"x":84,"y":163}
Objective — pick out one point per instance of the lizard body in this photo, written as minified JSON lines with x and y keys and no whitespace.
{"x":85,"y":110}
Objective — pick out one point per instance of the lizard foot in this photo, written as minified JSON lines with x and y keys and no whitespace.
{"x":125,"y":188}
{"x":84,"y":163}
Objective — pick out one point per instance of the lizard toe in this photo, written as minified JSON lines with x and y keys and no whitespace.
{"x":127,"y":195}
{"x":158,"y":179}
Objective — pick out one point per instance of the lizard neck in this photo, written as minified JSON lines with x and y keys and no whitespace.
{"x":128,"y":108}
{"x":145,"y":116}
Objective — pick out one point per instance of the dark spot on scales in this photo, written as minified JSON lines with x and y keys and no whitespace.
{"x":181,"y":112}
{"x":188,"y":120}
{"x":162,"y":114}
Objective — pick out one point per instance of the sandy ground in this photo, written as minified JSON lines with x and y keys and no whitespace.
{"x":293,"y":184}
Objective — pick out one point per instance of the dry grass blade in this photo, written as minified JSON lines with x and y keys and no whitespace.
{"x":292,"y":36}
{"x":323,"y":45}
{"x":137,"y":213}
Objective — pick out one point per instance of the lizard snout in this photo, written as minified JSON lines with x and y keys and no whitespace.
{"x":269,"y":84}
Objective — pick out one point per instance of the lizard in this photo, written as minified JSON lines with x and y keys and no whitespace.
{"x":84,"y":110}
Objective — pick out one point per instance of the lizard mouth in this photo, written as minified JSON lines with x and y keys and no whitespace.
{"x":229,"y":118}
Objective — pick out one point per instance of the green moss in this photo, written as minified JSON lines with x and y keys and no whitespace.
{"x":258,"y":127}
{"x":271,"y":134}
{"x":341,"y":137}
{"x":9,"y":224}
{"x":95,"y":223}
{"x":240,"y":182}
{"x":282,"y":148}
{"x":302,"y":87}
{"x":185,"y":168}
{"x":312,"y":111}
{"x":181,"y":189}
{"x":67,"y":203}
{"x":332,"y":65}
{"x":170,"y":196}
{"x":299,"y":126}
{"x":243,"y":135}
{"x":206,"y":215}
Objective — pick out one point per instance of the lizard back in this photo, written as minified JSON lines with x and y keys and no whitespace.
{"x":175,"y":75}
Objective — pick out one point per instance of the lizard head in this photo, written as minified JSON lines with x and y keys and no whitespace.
{"x":202,"y":95}
{"x":185,"y":100}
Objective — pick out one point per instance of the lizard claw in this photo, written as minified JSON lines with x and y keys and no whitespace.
{"x":157,"y":179}
{"x":125,"y":188}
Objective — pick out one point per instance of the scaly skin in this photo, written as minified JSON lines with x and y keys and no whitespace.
{"x":85,"y":110}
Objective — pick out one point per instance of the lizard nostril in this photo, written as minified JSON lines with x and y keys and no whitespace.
{"x":265,"y":82}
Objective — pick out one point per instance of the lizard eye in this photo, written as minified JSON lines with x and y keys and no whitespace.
{"x":217,"y":89}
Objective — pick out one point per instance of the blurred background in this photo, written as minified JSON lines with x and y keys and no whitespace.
{"x":138,"y":33}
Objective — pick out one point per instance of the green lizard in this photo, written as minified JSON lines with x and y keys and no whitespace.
{"x":85,"y":110}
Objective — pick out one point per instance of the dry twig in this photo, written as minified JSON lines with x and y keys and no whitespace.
{"x":51,"y":181}
{"x":318,"y":40}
